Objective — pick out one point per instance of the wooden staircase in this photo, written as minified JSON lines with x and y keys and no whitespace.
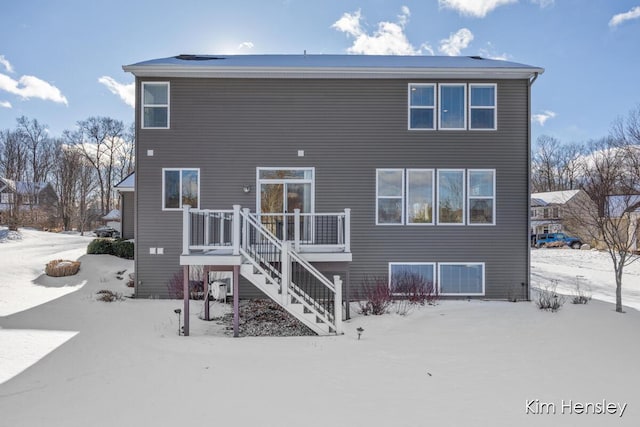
{"x":283,"y":275}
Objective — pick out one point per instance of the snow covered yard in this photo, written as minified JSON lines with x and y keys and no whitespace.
{"x":459,"y":363}
{"x":593,"y":270}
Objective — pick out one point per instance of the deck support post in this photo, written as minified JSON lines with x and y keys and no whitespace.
{"x":185,"y":290}
{"x":185,"y":229}
{"x":337,"y":312}
{"x":205,"y":288}
{"x":236,"y":300}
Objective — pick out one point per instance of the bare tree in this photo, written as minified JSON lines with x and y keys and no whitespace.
{"x":612,"y":183}
{"x":13,"y":166}
{"x":68,"y":166}
{"x":555,"y":166}
{"x":100,"y":139}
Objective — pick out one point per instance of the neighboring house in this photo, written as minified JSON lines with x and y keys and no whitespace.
{"x":626,"y":210}
{"x":349,"y":166}
{"x":112,"y":219}
{"x":125,"y":189}
{"x":36,"y":201}
{"x":561,"y":211}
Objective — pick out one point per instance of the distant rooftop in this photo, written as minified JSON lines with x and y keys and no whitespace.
{"x":336,"y":66}
{"x":554,"y":197}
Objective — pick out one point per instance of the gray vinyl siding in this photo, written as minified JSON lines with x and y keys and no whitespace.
{"x":347,"y":129}
{"x":127,"y":214}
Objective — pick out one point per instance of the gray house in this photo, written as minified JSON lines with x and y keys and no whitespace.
{"x":125,"y":189}
{"x":302,"y":175}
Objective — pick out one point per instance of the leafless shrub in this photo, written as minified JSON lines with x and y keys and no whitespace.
{"x":581,"y":296}
{"x":377,"y":296}
{"x":548,"y":299}
{"x":108,"y":296}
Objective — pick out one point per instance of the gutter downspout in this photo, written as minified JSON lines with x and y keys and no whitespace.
{"x":527,"y":284}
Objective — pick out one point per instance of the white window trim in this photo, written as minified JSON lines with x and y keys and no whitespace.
{"x":164,"y":188}
{"x":423,"y":107}
{"x":433,"y":264}
{"x":494,"y":108}
{"x":464,"y":102}
{"x":433,"y":197}
{"x":143,"y":105}
{"x":469,"y":197}
{"x":402,"y":196}
{"x":260,"y":181}
{"x":440,"y":264}
{"x":464,"y":198}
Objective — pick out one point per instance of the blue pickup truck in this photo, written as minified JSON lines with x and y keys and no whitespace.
{"x":541,"y":240}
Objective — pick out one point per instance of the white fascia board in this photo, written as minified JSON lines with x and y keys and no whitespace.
{"x":330,"y":73}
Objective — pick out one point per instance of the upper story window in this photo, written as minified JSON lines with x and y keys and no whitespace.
{"x":422,"y":106}
{"x":460,"y":106}
{"x":155,"y":105}
{"x":180,"y":187}
{"x":482,"y":106}
{"x":453,"y":101}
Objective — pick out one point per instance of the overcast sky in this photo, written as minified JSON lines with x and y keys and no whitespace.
{"x":60,"y":62}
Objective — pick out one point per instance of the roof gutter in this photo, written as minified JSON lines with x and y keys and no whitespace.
{"x":329,"y":72}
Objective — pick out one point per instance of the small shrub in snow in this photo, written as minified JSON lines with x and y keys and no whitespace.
{"x":123,"y":249}
{"x":377,"y":296}
{"x":60,"y":268}
{"x":413,"y":288}
{"x":548,"y":299}
{"x":581,"y":296}
{"x":100,"y":247}
{"x":108,"y":296}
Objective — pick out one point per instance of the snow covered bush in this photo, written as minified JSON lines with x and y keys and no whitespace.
{"x":377,"y":296}
{"x":123,"y":249}
{"x":100,"y":247}
{"x":61,"y":267}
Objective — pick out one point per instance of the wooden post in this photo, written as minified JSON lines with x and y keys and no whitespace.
{"x":236,"y":300}
{"x":185,"y":229}
{"x":337,"y":283}
{"x":185,"y":288}
{"x":296,"y":229}
{"x":236,"y":230}
{"x":245,"y":229}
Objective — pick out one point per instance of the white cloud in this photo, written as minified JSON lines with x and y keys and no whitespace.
{"x":456,"y":42}
{"x":5,"y":104}
{"x":490,"y":53}
{"x":542,"y":118}
{"x":388,"y":39}
{"x":475,"y":8}
{"x":627,"y":16}
{"x":32,"y":87}
{"x":245,"y":45}
{"x":126,"y":92}
{"x":544,"y":3}
{"x":6,"y":64}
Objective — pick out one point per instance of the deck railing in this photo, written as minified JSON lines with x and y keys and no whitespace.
{"x":208,"y":230}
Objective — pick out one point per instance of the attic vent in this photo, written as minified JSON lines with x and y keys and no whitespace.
{"x":186,"y":57}
{"x":476,"y":57}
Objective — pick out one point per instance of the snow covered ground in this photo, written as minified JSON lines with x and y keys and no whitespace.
{"x":86,"y":362}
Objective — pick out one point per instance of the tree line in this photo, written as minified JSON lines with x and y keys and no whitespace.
{"x":82,"y":165}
